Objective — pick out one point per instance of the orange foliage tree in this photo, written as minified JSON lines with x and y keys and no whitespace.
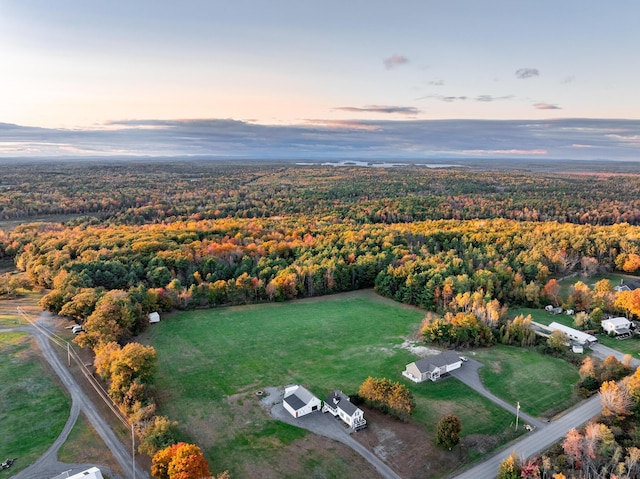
{"x":180,"y":461}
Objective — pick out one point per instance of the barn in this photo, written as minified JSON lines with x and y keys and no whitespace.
{"x":299,"y":401}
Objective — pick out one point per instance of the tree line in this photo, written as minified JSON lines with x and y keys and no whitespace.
{"x":152,"y":192}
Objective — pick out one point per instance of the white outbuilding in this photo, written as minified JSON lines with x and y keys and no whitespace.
{"x":91,"y":473}
{"x":299,"y":401}
{"x":154,"y":317}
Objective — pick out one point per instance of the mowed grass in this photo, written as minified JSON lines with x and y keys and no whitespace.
{"x":542,"y":384}
{"x":334,"y":342}
{"x":33,"y":408}
{"x":28,"y":302}
{"x":85,"y":446}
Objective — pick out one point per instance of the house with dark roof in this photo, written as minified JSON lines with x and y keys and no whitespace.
{"x":432,"y":367}
{"x":339,"y":404}
{"x":299,"y":401}
{"x":627,"y":285}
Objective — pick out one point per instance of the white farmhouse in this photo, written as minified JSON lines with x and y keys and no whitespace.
{"x":299,"y":401}
{"x":339,"y":404}
{"x":154,"y":317}
{"x":619,"y":326}
{"x":432,"y":367}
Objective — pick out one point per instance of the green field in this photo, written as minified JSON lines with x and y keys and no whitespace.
{"x":33,"y":409}
{"x":567,"y":283}
{"x":207,"y":356}
{"x":542,"y":384}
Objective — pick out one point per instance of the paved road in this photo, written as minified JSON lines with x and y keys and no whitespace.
{"x":468,"y":374}
{"x":47,"y":465}
{"x":325,"y":425}
{"x":537,"y":441}
{"x":543,"y":437}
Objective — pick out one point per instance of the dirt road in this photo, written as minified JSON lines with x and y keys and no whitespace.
{"x":48,"y":465}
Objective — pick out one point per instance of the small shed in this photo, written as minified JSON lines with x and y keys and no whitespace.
{"x":299,"y":401}
{"x":154,"y":317}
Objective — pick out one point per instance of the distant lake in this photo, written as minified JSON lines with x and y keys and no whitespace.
{"x":375,"y":164}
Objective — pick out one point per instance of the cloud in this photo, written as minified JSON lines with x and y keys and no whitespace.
{"x":447,"y":99}
{"x":616,"y":139}
{"x":524,"y":73}
{"x":546,"y":106}
{"x":436,"y":83}
{"x":568,"y":79}
{"x":511,"y":152}
{"x":490,"y":98}
{"x":395,"y":61}
{"x":403,"y":110}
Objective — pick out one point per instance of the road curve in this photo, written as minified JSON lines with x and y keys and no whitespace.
{"x":47,"y":465}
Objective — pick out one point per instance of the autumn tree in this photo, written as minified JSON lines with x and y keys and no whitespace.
{"x":448,"y":431}
{"x":388,"y":396}
{"x":572,"y":447}
{"x":581,"y":296}
{"x":629,"y":301}
{"x":558,"y":340}
{"x":510,"y":468}
{"x":159,"y":434}
{"x":111,"y":320}
{"x":180,"y":461}
{"x":615,"y":398}
{"x":551,"y":291}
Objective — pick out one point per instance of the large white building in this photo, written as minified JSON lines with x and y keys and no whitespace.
{"x":299,"y":401}
{"x":573,"y":334}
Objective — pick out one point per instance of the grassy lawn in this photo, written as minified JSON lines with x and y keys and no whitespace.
{"x":567,"y":283}
{"x":627,"y":346}
{"x":33,"y":409}
{"x":211,"y":362}
{"x":8,"y":309}
{"x":84,"y":445}
{"x":543,"y":384}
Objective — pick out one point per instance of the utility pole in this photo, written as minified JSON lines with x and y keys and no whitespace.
{"x":133,"y":452}
{"x":517,"y":413}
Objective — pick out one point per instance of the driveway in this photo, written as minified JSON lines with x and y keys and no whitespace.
{"x":324,"y":425}
{"x":602,"y":351}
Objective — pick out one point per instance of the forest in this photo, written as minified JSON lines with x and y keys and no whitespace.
{"x":124,"y":239}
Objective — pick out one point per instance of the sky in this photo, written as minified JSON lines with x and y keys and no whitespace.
{"x":321,"y":79}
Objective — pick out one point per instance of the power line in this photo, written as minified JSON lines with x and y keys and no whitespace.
{"x":64,"y":344}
